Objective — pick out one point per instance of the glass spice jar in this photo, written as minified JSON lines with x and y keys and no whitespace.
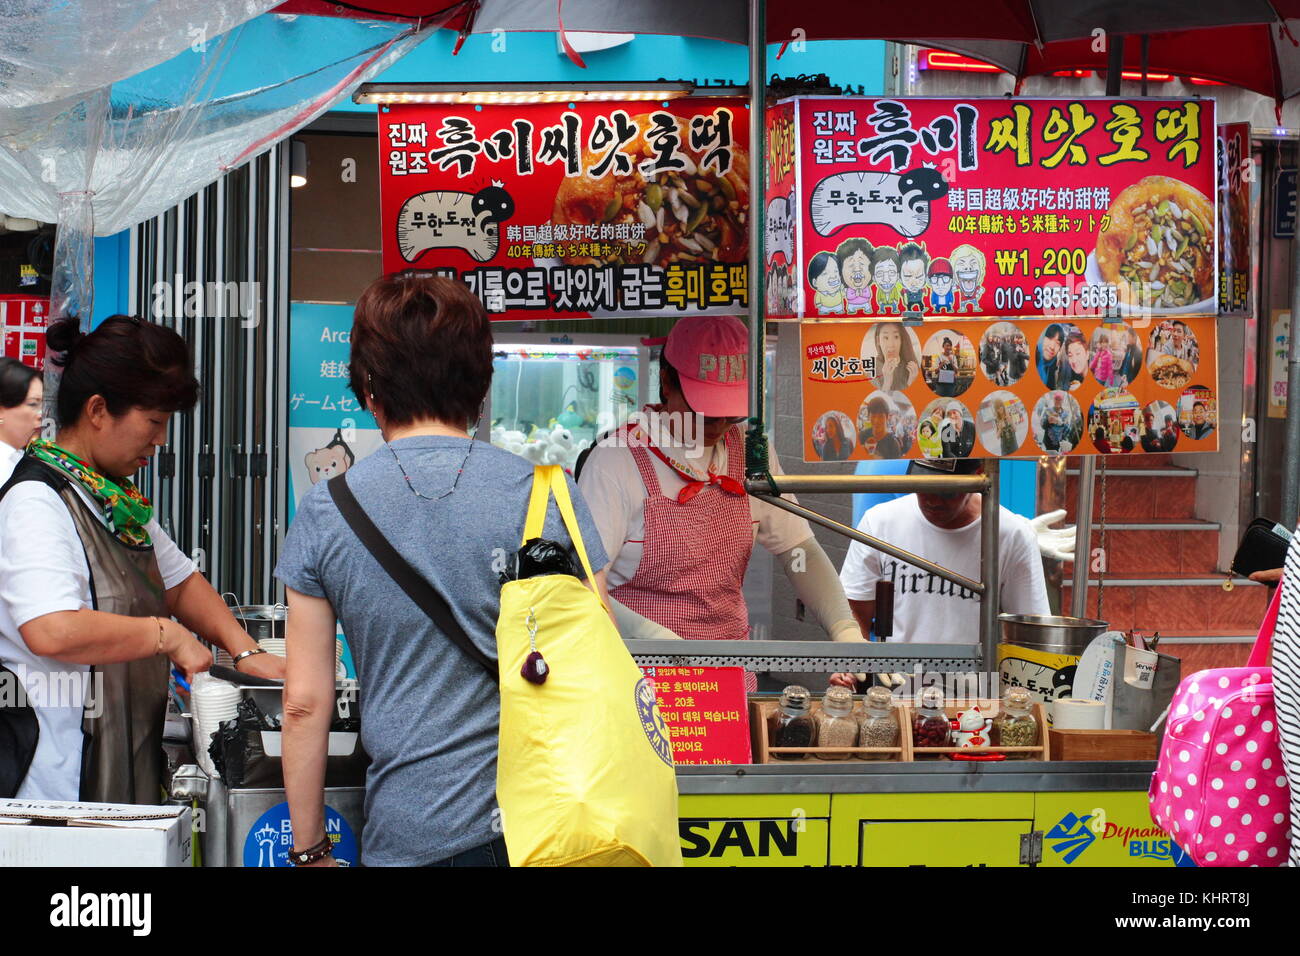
{"x":879,"y":724}
{"x":835,"y":724}
{"x":791,"y":724}
{"x":1016,"y":725}
{"x":931,"y":726}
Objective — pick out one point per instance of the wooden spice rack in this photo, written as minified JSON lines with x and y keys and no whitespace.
{"x":1104,"y":744}
{"x":761,"y":708}
{"x":990,"y":708}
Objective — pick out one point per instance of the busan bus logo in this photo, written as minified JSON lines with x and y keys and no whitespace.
{"x":1071,"y":836}
{"x":652,"y":722}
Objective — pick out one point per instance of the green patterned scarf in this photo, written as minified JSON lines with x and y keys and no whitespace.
{"x":126,"y":511}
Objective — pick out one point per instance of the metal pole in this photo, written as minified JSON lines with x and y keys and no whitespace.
{"x":1291,"y":447}
{"x":884,"y":546}
{"x":991,"y":599}
{"x":1051,"y":497}
{"x":1082,"y":537}
{"x":882,"y":484}
{"x":1114,"y":64}
{"x":757,"y":457}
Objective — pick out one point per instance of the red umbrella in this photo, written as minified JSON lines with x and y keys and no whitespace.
{"x":1023,"y":37}
{"x":1022,"y":21}
{"x":1265,"y":58}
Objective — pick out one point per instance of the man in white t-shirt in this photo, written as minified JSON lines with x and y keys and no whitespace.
{"x":944,"y":529}
{"x":674,"y":514}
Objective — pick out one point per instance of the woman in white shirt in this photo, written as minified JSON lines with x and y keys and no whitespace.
{"x":21,"y":395}
{"x":89,"y":582}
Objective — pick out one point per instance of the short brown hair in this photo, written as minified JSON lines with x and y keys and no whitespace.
{"x":423,"y":347}
{"x":130,"y":362}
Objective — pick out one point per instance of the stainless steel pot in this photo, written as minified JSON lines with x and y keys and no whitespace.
{"x":261,"y":620}
{"x":1051,"y":635}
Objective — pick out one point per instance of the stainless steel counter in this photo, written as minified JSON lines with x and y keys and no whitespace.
{"x":936,"y":776}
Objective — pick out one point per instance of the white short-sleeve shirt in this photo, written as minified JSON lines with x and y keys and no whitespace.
{"x":616,"y":494}
{"x":928,"y":609}
{"x":43,"y":569}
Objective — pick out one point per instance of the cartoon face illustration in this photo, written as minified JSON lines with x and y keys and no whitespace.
{"x":334,"y":459}
{"x":493,"y":203}
{"x":827,"y":282}
{"x":886,"y":274}
{"x":941,"y":282}
{"x":922,"y":185}
{"x":857,"y":270}
{"x":968,"y":264}
{"x":913,"y":275}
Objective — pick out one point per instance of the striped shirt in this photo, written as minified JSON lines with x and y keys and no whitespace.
{"x":1286,"y":684}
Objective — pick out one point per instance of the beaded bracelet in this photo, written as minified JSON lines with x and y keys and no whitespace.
{"x":313,"y":853}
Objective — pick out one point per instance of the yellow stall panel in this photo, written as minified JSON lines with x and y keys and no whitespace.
{"x":929,"y":829}
{"x":941,"y":842}
{"x":755,"y":830}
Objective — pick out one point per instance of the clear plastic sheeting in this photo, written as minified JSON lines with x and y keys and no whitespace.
{"x":52,"y":50}
{"x":127,"y":152}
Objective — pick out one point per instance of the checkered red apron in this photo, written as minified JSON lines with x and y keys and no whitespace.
{"x":694,"y":557}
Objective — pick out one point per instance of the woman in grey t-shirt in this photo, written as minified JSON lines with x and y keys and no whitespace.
{"x":421,"y":362}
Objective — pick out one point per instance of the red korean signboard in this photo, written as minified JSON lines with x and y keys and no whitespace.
{"x":23,"y":320}
{"x":1236,"y":173}
{"x":571,"y":210}
{"x":975,"y":209}
{"x":706,"y":712}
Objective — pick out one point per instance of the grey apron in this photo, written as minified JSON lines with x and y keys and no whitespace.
{"x":122,"y":756}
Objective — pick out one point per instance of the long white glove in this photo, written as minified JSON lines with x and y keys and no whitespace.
{"x":632,"y":625}
{"x":1055,"y":543}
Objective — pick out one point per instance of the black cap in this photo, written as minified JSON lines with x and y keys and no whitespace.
{"x":944,"y":466}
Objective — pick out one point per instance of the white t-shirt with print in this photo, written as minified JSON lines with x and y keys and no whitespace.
{"x":43,"y":569}
{"x":928,"y":609}
{"x":616,"y":495}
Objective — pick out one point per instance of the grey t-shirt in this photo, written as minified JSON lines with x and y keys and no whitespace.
{"x":429,"y":714}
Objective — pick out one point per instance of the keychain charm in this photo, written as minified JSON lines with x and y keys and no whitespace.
{"x":535,"y":669}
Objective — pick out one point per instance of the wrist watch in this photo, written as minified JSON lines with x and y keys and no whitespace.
{"x":249,"y":653}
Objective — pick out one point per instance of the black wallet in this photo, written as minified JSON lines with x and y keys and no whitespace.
{"x":1262,"y":547}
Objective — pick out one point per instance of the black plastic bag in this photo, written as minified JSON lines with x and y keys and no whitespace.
{"x":242,"y":762}
{"x":537,"y":557}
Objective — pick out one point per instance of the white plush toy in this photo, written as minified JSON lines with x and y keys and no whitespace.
{"x":511,"y":440}
{"x":535,"y":451}
{"x":559,"y":447}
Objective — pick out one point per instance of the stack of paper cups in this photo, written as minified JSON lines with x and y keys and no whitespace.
{"x":211,"y":702}
{"x":1070,"y":713}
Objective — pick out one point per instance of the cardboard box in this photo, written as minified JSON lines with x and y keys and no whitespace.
{"x":57,"y":833}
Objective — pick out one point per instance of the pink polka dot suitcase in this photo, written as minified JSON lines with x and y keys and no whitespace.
{"x":1220,"y":789}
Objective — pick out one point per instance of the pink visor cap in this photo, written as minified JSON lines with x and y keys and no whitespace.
{"x":710,"y":354}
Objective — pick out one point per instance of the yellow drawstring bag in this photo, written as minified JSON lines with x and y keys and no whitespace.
{"x":585,"y":769}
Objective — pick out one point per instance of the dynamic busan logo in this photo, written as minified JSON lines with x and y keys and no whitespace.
{"x":1072,"y":835}
{"x":656,"y":731}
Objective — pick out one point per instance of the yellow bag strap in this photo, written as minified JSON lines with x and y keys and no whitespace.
{"x":537,"y":503}
{"x":550,"y":478}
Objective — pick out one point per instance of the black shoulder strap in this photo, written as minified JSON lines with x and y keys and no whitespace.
{"x":406,"y":577}
{"x":33,"y":469}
